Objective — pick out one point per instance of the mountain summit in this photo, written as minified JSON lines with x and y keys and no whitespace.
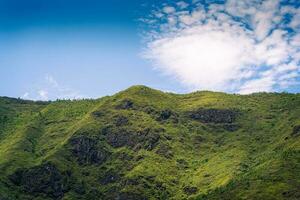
{"x":142,"y":143}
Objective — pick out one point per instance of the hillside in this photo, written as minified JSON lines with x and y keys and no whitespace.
{"x":142,"y":143}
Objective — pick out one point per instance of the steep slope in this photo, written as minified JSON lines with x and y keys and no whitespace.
{"x":145,"y":144}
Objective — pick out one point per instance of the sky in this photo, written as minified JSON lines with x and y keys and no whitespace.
{"x":66,"y":49}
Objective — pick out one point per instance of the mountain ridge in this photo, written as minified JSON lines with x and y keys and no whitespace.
{"x":142,"y":143}
{"x":144,"y":87}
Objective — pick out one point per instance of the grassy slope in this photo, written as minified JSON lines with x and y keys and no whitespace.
{"x":258,"y":161}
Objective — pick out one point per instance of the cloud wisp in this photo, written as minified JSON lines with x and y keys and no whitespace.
{"x":50,"y":89}
{"x":242,"y":46}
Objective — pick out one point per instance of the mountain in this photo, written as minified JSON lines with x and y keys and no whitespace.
{"x":142,"y":143}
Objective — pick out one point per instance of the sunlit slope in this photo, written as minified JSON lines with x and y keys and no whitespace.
{"x":145,"y":144}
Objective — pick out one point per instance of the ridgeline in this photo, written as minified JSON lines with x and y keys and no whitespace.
{"x":143,"y":144}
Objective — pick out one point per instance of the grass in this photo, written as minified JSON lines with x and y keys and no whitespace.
{"x":260,"y":160}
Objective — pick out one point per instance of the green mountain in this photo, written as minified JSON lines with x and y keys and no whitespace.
{"x":146,"y":144}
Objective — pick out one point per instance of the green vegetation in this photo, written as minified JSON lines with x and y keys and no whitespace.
{"x":145,"y":144}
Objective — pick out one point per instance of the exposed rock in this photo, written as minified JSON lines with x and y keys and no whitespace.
{"x":214,"y":115}
{"x":161,"y":115}
{"x":98,"y":113}
{"x":167,"y":114}
{"x":132,"y":181}
{"x":146,"y":139}
{"x":165,"y":151}
{"x":45,"y":179}
{"x":80,"y":188}
{"x":120,"y":139}
{"x":110,"y":177}
{"x":150,"y":110}
{"x":4,"y":196}
{"x":296,"y":131}
{"x":87,"y":150}
{"x":231,"y":127}
{"x":291,"y":194}
{"x":125,"y":104}
{"x":85,"y":173}
{"x":169,"y":137}
{"x":121,"y":120}
{"x":189,"y":190}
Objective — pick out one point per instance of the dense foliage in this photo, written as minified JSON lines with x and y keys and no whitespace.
{"x":145,"y":144}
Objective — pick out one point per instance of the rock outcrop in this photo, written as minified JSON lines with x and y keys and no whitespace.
{"x":296,"y":131}
{"x":144,"y":139}
{"x":88,"y":151}
{"x":189,"y":190}
{"x":214,"y":115}
{"x":125,"y":104}
{"x":45,"y":180}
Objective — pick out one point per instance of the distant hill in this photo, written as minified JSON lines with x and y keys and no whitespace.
{"x":142,"y":143}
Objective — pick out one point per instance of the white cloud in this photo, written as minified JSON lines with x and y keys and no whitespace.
{"x":50,"y":89}
{"x":51,"y":81}
{"x":257,"y":85}
{"x":196,"y":54}
{"x":295,"y":23}
{"x":25,"y":95}
{"x":195,"y":16}
{"x":169,"y":9}
{"x":43,"y":94}
{"x":239,"y":46}
{"x":182,"y":4}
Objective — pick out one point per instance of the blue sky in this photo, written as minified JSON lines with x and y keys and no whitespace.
{"x":91,"y":48}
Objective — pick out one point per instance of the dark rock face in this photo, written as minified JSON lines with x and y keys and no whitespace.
{"x":97,"y":114}
{"x":3,"y":197}
{"x":231,"y":127}
{"x":45,"y":179}
{"x":296,"y":131}
{"x":189,"y":190}
{"x":145,"y":139}
{"x":121,"y":120}
{"x":291,"y":194}
{"x":161,"y":115}
{"x":214,"y":115}
{"x":165,"y":151}
{"x":87,"y":150}
{"x":150,"y":110}
{"x":166,"y":115}
{"x":80,"y":188}
{"x":110,"y":177}
{"x":125,"y":104}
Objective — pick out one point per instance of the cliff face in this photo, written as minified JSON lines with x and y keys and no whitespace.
{"x":145,"y":144}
